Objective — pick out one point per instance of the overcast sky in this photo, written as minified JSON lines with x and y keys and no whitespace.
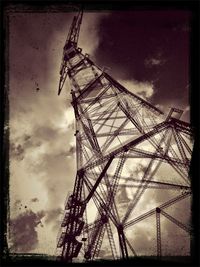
{"x":147,"y":51}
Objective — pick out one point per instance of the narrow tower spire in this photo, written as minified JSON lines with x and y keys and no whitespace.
{"x":70,"y":47}
{"x":73,"y":35}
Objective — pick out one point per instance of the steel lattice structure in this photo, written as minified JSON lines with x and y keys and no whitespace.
{"x":132,"y":164}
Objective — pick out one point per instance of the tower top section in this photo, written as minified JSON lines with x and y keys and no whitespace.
{"x":70,"y":47}
{"x":72,"y":38}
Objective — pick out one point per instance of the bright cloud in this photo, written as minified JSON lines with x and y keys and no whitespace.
{"x":144,"y":89}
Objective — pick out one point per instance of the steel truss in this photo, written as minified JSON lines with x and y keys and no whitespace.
{"x":127,"y":152}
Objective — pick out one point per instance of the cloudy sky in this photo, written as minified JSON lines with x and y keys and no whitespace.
{"x":147,"y":51}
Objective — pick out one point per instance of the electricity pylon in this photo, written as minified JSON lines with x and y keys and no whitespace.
{"x":132,"y":165}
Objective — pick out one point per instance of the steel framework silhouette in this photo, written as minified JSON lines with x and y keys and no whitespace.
{"x":133,"y":162}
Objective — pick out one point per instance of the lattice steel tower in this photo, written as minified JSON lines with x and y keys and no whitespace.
{"x":132,"y":168}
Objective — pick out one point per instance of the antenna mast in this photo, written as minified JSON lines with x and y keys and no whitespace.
{"x":70,"y":47}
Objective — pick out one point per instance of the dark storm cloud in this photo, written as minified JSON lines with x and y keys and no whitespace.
{"x":149,"y":46}
{"x":154,"y":61}
{"x":23,"y":231}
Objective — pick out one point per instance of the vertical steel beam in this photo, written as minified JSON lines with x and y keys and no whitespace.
{"x":158,"y":231}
